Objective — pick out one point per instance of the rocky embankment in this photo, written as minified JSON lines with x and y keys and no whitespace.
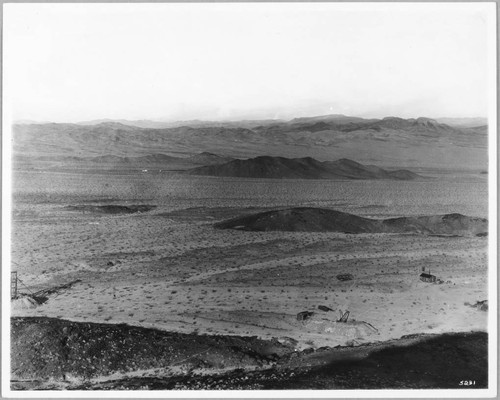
{"x":50,"y":353}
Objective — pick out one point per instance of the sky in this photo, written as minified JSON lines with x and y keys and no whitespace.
{"x":213,"y":61}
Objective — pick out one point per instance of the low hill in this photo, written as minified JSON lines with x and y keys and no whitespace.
{"x":204,"y":158}
{"x":305,"y":219}
{"x":207,"y":158}
{"x":142,"y":160}
{"x":111,"y":162}
{"x":354,"y":170}
{"x":448,"y":224}
{"x":300,"y":168}
{"x":268,"y":167}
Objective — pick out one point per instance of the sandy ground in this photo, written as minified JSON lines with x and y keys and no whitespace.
{"x":165,"y":271}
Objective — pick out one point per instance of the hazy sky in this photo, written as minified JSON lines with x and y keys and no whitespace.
{"x":75,"y":62}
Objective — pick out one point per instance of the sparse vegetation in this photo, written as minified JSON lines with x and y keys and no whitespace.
{"x":172,"y":270}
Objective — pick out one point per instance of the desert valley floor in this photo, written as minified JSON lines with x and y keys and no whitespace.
{"x":169,"y":268}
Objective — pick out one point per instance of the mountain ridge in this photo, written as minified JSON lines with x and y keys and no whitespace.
{"x":160,"y":124}
{"x":390,"y":141}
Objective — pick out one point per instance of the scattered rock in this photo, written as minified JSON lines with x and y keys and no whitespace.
{"x":304,"y":315}
{"x":345,"y":277}
{"x":480,"y":305}
{"x":287,"y":341}
{"x":24,"y":303}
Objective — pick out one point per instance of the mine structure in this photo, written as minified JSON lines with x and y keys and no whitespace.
{"x":40,"y":296}
{"x":427,"y":276}
{"x":343,"y":316}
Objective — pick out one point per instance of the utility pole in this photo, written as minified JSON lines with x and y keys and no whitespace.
{"x":13,"y":285}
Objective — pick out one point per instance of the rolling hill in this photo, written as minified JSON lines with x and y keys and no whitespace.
{"x":306,"y":219}
{"x":300,"y":168}
{"x":207,"y":158}
{"x":155,"y":161}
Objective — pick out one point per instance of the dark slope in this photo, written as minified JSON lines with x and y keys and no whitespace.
{"x":49,"y":348}
{"x":268,"y":167}
{"x":207,"y":158}
{"x":48,"y":351}
{"x":306,"y":219}
{"x":303,"y":220}
{"x":300,"y":168}
{"x":354,"y":170}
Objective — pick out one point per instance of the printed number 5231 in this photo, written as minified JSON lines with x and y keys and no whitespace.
{"x":467,"y":383}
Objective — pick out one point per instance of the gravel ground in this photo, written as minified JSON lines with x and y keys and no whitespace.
{"x":50,"y":353}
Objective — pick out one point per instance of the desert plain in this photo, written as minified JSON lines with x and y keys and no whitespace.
{"x":170,"y":268}
{"x":142,"y":246}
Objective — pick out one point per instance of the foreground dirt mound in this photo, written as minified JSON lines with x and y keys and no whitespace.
{"x":111,"y":209}
{"x":306,"y":219}
{"x":421,"y":362}
{"x":49,"y":353}
{"x":44,"y":348}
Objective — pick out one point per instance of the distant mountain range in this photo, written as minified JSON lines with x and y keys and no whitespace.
{"x":386,"y":142}
{"x":300,"y":168}
{"x":338,"y":118}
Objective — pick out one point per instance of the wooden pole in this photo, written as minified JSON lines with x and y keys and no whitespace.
{"x":13,"y":285}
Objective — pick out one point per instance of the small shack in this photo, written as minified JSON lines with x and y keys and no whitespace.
{"x":427,"y":277}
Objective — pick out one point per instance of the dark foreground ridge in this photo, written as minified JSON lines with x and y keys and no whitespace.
{"x":305,"y":219}
{"x":50,"y":353}
{"x":300,"y":168}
